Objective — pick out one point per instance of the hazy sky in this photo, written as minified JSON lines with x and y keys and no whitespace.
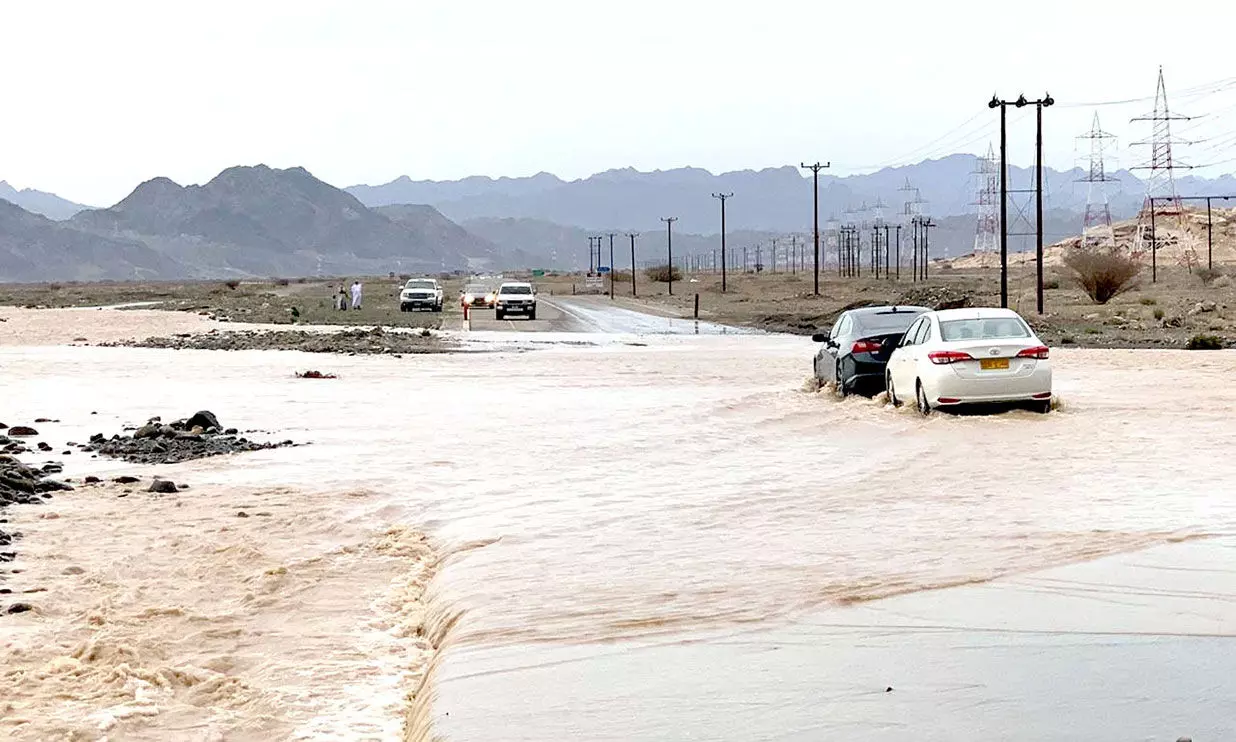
{"x":102,"y":95}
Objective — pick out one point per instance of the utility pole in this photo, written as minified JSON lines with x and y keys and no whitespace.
{"x":1040,"y":104}
{"x":611,"y":265}
{"x":927,"y":225}
{"x":723,"y":197}
{"x":669,"y":246}
{"x":632,"y":236}
{"x":793,"y":253}
{"x":898,"y":252}
{"x":1004,"y":198}
{"x":815,"y":231}
{"x":590,"y":266}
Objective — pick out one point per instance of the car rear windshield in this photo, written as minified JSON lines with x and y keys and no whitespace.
{"x":884,"y":322}
{"x":414,"y":284}
{"x":517,"y":289}
{"x":990,"y":328}
{"x":477,"y":288}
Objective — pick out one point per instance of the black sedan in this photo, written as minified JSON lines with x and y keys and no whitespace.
{"x":857,"y":348}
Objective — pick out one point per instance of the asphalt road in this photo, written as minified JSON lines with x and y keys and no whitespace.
{"x":598,"y":315}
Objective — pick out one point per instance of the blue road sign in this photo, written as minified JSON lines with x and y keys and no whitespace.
{"x":603,"y":269}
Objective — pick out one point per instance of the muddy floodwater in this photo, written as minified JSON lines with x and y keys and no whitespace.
{"x":628,"y":537}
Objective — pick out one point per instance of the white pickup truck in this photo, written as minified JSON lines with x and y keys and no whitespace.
{"x":515,"y":298}
{"x":421,"y":293}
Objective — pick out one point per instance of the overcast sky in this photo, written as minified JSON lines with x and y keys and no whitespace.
{"x":103,"y":95}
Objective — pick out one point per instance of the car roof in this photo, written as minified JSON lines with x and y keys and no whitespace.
{"x":889,"y":309}
{"x":975,"y":313}
{"x":516,"y":283}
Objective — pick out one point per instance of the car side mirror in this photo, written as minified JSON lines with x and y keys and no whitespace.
{"x":819,"y":337}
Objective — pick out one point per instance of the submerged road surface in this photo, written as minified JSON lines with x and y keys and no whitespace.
{"x":590,"y":314}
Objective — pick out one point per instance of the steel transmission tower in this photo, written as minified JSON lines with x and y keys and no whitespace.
{"x":1097,"y":225}
{"x":1162,"y":200}
{"x":987,"y":231}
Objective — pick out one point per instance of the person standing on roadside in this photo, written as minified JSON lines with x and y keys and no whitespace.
{"x":341,"y":300}
{"x":356,"y":294}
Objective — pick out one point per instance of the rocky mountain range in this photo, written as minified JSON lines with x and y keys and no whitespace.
{"x":247,"y":221}
{"x":774,"y":200}
{"x":39,"y":202}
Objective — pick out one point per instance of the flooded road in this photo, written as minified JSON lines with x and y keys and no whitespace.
{"x":676,"y":540}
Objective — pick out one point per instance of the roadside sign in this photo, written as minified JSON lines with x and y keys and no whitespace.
{"x":538,"y":272}
{"x":603,"y":269}
{"x":594,"y":281}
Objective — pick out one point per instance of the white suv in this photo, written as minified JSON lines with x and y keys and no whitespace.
{"x":421,"y":293}
{"x":515,"y":298}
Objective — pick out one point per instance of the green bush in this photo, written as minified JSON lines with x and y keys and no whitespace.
{"x":1051,"y":284}
{"x":1102,"y":274}
{"x":1149,"y":301}
{"x":1158,"y":313}
{"x":232,"y":284}
{"x":664,"y":273}
{"x":1207,"y":275}
{"x":1203,"y":341}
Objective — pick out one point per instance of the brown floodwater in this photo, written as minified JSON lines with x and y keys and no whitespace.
{"x":627,"y":540}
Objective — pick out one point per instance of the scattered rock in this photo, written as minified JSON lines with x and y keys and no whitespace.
{"x":92,"y":480}
{"x":126,"y":480}
{"x":204,"y":419}
{"x":19,"y":608}
{"x":3,"y":426}
{"x":44,"y":446}
{"x":242,"y":514}
{"x":163,"y":487}
{"x":22,"y":431}
{"x":1203,"y":307}
{"x":183,"y":440}
{"x":74,"y":571}
{"x":936,"y":297}
{"x":147,"y":431}
{"x":314,"y":375}
{"x":351,"y":341}
{"x":45,"y":420}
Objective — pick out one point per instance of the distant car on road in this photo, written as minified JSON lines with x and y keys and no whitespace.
{"x":421,"y":293}
{"x":478,"y":295}
{"x":964,"y":356}
{"x":515,"y":298}
{"x":858,"y":347}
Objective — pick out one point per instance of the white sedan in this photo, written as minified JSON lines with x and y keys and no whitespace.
{"x":965,"y":356}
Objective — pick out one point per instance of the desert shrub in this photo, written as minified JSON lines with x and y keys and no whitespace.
{"x":282,"y":282}
{"x":1158,"y":313}
{"x":664,"y":273}
{"x":1202,"y":341}
{"x":232,"y":284}
{"x":1068,"y":340}
{"x":1149,"y":301}
{"x":1102,"y":274}
{"x":1207,"y":275}
{"x":1092,"y":331}
{"x":54,"y":287}
{"x":302,"y":279}
{"x":1051,"y":284}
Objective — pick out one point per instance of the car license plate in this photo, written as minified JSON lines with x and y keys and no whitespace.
{"x":994,"y":364}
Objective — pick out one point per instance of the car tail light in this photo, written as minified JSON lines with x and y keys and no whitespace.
{"x":943,"y":357}
{"x":1038,"y":351}
{"x":867,"y":346}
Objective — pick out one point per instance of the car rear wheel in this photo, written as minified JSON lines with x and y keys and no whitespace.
{"x":1042,"y":406}
{"x":924,"y":407}
{"x":839,"y":385}
{"x":892,"y":393}
{"x":499,"y":314}
{"x":532,"y":314}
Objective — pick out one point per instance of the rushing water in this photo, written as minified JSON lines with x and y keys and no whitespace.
{"x":641,"y":542}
